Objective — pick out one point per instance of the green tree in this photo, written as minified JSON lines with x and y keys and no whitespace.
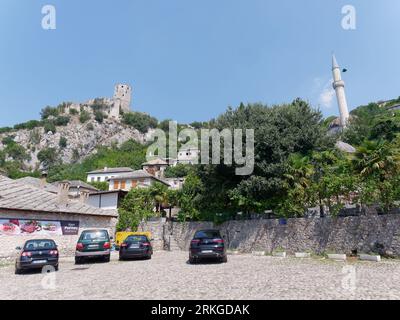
{"x":63,"y":142}
{"x":140,"y":121}
{"x":377,"y":163}
{"x":49,"y":126}
{"x":48,"y":157}
{"x":179,"y":171}
{"x":136,"y":207}
{"x":101,"y":185}
{"x":84,"y":116}
{"x":99,"y":116}
{"x":49,"y":111}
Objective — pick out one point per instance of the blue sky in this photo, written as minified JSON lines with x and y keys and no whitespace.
{"x":189,"y":60}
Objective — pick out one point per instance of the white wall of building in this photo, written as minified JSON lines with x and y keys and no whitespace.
{"x":102,"y":177}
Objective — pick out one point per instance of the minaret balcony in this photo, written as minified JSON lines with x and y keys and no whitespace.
{"x":338,"y":84}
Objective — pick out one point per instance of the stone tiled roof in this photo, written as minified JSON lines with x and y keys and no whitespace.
{"x":35,"y":182}
{"x":153,"y":162}
{"x":16,"y":195}
{"x":76,"y":184}
{"x":137,"y":175}
{"x":112,"y":170}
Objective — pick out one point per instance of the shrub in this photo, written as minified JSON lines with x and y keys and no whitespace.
{"x":61,"y":120}
{"x":90,"y":127}
{"x":103,"y":185}
{"x":63,"y":142}
{"x":5,"y":129}
{"x":49,"y":111}
{"x":47,"y":157}
{"x":99,"y":116}
{"x":49,"y":126}
{"x":34,"y":136}
{"x":16,"y":151}
{"x":8,"y":140}
{"x":178,"y":171}
{"x":84,"y":116}
{"x":28,"y":125}
{"x":73,"y":112}
{"x":140,"y":121}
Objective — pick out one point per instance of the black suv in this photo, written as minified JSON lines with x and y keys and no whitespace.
{"x":207,"y":244}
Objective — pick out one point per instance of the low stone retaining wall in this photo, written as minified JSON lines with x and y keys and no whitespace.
{"x":364,"y":234}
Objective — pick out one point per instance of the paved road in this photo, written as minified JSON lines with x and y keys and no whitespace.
{"x":168,"y":276}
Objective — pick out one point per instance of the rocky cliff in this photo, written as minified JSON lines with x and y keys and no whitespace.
{"x":73,"y":141}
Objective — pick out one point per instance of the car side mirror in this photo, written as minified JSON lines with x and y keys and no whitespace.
{"x":18,"y":248}
{"x":111,"y":238}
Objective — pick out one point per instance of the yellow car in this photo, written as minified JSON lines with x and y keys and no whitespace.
{"x":122,"y":235}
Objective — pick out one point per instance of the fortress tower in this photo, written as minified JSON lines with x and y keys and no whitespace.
{"x":338,"y":85}
{"x":122,"y":99}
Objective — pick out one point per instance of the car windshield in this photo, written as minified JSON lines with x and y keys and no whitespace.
{"x":95,"y":235}
{"x":136,"y":239}
{"x":40,"y":245}
{"x":208,"y":234}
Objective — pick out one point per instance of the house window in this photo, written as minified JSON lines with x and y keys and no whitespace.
{"x":123,"y":184}
{"x":98,"y":179}
{"x":92,"y":179}
{"x":116,"y":184}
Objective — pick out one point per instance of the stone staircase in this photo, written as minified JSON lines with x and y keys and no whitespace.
{"x":170,"y":243}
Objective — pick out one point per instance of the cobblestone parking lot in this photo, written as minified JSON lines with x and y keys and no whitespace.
{"x":169,"y":276}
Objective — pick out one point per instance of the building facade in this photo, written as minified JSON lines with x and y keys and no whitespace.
{"x":28,"y":212}
{"x":135,"y":179}
{"x":103,"y":175}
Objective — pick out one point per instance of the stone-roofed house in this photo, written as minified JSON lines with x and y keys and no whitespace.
{"x":104,"y":174}
{"x":29,"y":212}
{"x":156,"y":167}
{"x":138,"y":178}
{"x":76,"y":187}
{"x":39,"y":183}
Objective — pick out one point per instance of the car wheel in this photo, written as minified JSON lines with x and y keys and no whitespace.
{"x":192,"y":260}
{"x":224,"y":259}
{"x":149,"y":257}
{"x":107,"y":258}
{"x":18,"y":271}
{"x":56,"y":267}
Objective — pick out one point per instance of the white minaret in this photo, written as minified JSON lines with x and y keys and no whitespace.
{"x":338,"y":85}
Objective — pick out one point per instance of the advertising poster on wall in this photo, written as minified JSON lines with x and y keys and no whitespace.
{"x":22,"y":227}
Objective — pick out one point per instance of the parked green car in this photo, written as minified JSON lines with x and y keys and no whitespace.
{"x":94,"y":243}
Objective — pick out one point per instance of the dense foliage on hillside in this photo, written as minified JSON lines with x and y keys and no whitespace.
{"x":129,"y":154}
{"x":297,"y":165}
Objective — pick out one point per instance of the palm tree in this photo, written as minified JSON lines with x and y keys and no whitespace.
{"x":299,"y":171}
{"x":376,"y":158}
{"x":159,"y":191}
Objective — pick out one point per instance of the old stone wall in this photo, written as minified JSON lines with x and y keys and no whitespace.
{"x":66,"y":244}
{"x":363,"y":234}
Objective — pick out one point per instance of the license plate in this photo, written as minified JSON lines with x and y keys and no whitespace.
{"x":134,"y":246}
{"x":39,"y":261}
{"x":92,"y":246}
{"x":207,"y":251}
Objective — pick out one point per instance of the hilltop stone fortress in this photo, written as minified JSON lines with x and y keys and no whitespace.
{"x":82,"y":139}
{"x":113,"y":107}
